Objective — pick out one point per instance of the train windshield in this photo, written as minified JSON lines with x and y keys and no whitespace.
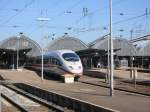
{"x":70,"y":57}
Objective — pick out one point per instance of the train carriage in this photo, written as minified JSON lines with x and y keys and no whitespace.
{"x":60,"y":62}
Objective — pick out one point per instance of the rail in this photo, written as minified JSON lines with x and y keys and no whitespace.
{"x":29,"y":102}
{"x":63,"y":100}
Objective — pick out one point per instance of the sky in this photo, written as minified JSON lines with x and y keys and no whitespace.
{"x":86,"y":20}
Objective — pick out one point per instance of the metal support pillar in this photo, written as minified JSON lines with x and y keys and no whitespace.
{"x":42,"y":64}
{"x":111,"y":53}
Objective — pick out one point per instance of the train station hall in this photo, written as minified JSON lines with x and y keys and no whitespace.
{"x":17,"y":48}
{"x":22,"y":48}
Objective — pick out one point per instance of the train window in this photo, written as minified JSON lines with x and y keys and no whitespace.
{"x":70,"y":57}
{"x":53,"y":61}
{"x":58,"y":62}
{"x":50,"y":60}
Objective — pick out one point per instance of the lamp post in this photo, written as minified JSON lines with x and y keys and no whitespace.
{"x":18,"y":46}
{"x":42,"y":20}
{"x":131,"y":57}
{"x":111,"y":53}
{"x":108,"y":60}
{"x":13,"y":61}
{"x":18,"y":39}
{"x":0,"y":97}
{"x":131,"y":36}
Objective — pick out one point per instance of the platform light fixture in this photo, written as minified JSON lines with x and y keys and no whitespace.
{"x":42,"y":20}
{"x":18,"y":38}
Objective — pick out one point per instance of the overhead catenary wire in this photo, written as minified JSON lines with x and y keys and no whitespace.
{"x":105,"y":7}
{"x":19,"y":12}
{"x":90,"y":14}
{"x":97,"y":10}
{"x":60,"y":14}
{"x":128,"y":19}
{"x":70,"y":8}
{"x":117,"y":22}
{"x":83,"y":29}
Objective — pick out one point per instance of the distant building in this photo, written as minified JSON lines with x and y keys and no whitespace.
{"x":124,"y":49}
{"x":143,"y":55}
{"x":26,"y":47}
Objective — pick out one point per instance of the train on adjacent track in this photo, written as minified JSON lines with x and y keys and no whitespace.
{"x":60,"y":62}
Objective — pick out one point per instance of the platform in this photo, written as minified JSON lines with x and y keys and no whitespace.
{"x":119,"y":73}
{"x":121,"y":101}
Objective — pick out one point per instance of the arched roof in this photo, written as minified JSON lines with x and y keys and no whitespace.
{"x":145,"y":49}
{"x":67,"y":42}
{"x":21,"y":42}
{"x":126,"y":48}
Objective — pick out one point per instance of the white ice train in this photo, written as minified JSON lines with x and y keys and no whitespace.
{"x":61,"y":62}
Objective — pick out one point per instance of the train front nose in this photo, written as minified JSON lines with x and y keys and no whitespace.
{"x":76,"y":69}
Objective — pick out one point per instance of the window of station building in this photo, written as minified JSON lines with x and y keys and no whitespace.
{"x":30,"y":61}
{"x":46,"y":61}
{"x":38,"y":61}
{"x":50,"y":60}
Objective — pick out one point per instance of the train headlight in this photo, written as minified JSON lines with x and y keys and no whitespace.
{"x":79,"y":67}
{"x":70,"y":67}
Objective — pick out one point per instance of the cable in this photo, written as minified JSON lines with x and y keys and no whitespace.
{"x":99,"y":28}
{"x":128,"y":19}
{"x":94,"y":12}
{"x":61,"y":13}
{"x":114,"y":4}
{"x":9,"y":19}
{"x":118,"y":22}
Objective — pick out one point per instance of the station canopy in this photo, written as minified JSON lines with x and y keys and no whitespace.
{"x":10,"y":51}
{"x":67,"y":42}
{"x":91,"y":52}
{"x":22,"y":44}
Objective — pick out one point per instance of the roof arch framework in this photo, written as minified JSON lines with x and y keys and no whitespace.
{"x":22,"y":42}
{"x":126,"y":48}
{"x":67,"y":42}
{"x":144,"y":50}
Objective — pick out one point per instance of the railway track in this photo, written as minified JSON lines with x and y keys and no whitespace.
{"x":26,"y":102}
{"x":61,"y":101}
{"x":121,"y":85}
{"x":67,"y":103}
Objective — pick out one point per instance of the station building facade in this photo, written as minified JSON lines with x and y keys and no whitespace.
{"x":143,"y":55}
{"x":123,"y":50}
{"x":20,"y":45}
